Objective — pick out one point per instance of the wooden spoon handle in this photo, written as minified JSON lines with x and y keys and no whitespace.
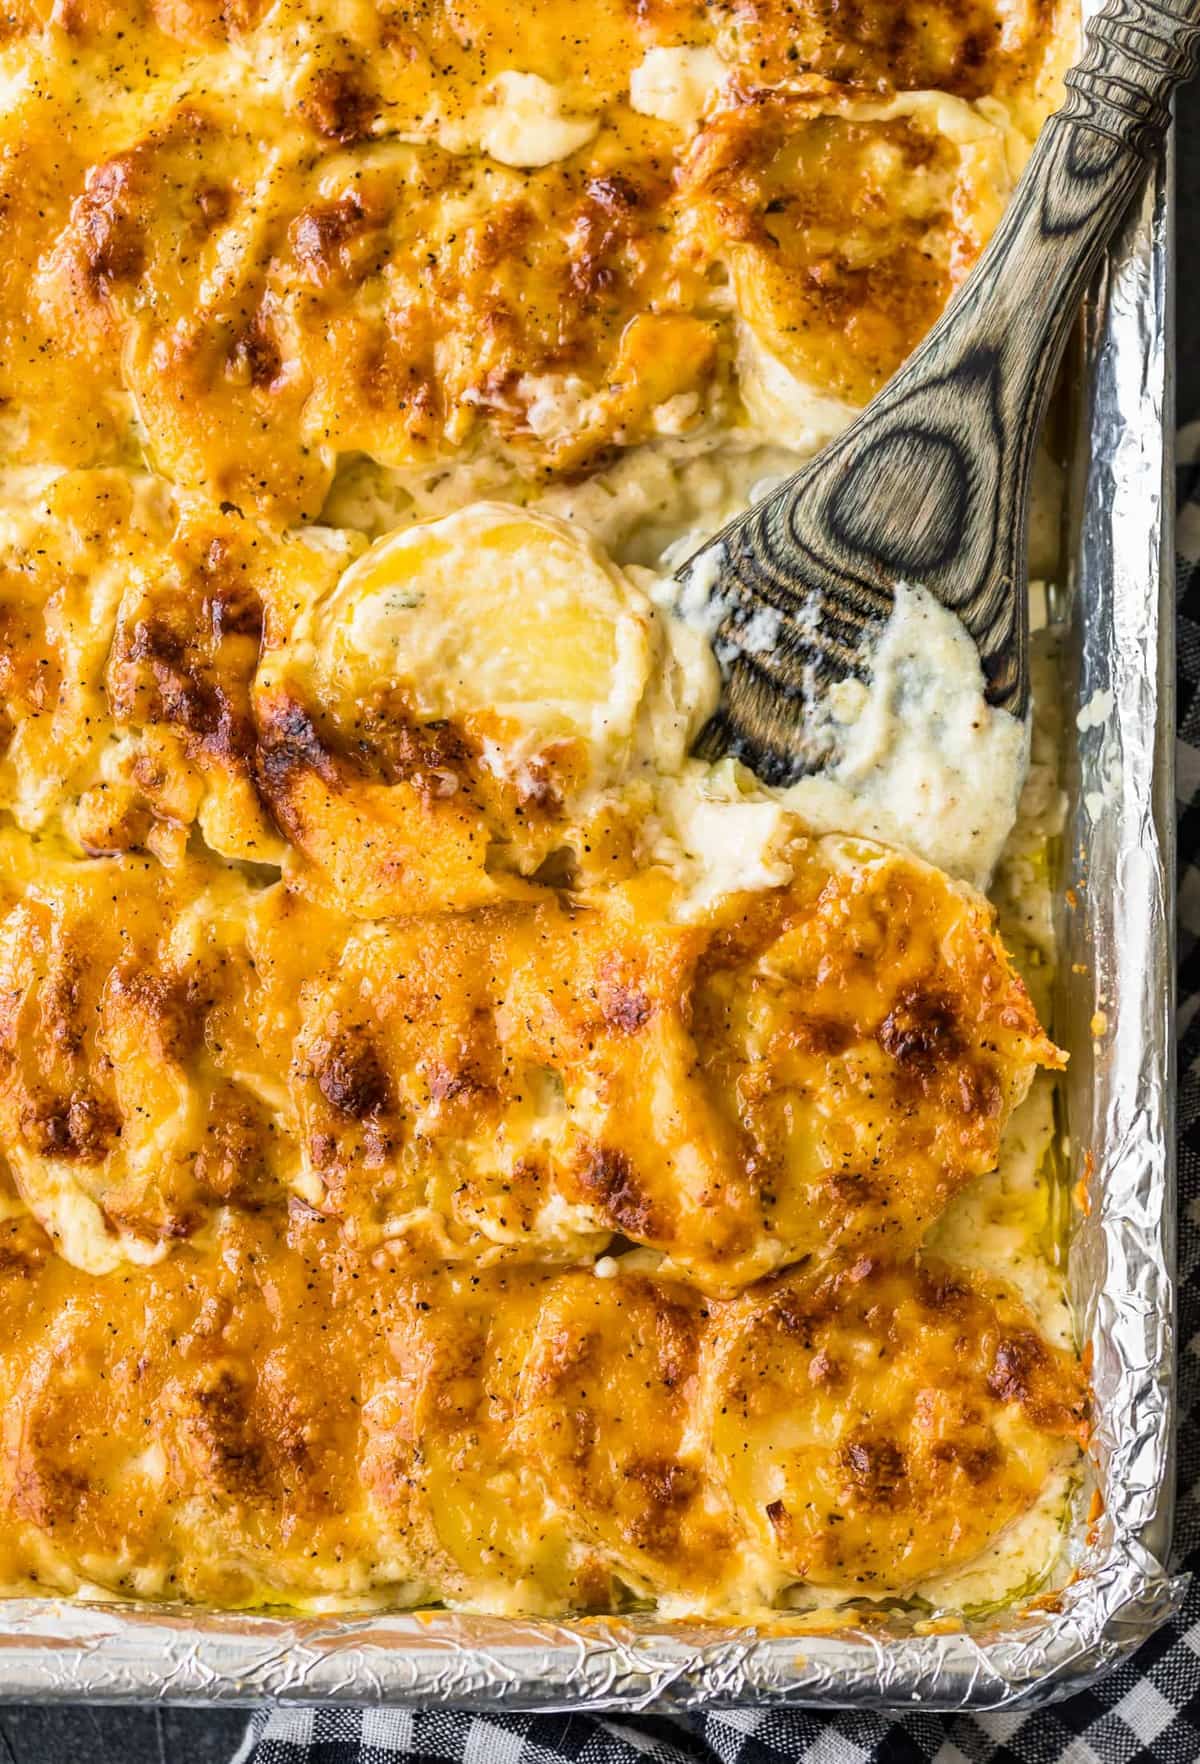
{"x":1136,"y":53}
{"x":930,"y":485}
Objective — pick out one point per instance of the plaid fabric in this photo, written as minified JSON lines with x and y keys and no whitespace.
{"x":1146,"y":1712}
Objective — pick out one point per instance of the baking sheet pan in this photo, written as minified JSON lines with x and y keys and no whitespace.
{"x":1116,"y":1017}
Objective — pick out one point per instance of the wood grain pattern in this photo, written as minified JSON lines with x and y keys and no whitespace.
{"x":931,"y":484}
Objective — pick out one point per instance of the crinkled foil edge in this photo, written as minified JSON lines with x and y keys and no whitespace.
{"x":1117,"y":1007}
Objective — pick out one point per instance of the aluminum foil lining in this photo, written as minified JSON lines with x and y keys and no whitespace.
{"x":1116,"y":1013}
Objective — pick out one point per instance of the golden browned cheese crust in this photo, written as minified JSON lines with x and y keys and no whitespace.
{"x":815,"y":1071}
{"x":453,"y":1145}
{"x":291,"y":1419}
{"x":252,"y":240}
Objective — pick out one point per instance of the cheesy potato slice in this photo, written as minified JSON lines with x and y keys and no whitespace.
{"x":151,"y":1449}
{"x":846,"y":227}
{"x":606,"y":1405}
{"x":131,"y":622}
{"x":472,"y":695}
{"x":135,"y":1029}
{"x":439,"y":1464}
{"x":494,"y":612}
{"x":883,"y":1427}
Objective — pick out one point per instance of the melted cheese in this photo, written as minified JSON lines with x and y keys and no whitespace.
{"x":520,"y":1440}
{"x":526,"y":1078}
{"x":481,"y":1149}
{"x":412,"y":237}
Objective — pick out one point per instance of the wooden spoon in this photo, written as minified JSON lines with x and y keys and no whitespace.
{"x":930,"y":485}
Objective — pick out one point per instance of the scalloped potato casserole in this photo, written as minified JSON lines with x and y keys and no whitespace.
{"x":456,"y":1146}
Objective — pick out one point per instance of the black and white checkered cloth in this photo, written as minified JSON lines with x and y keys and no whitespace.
{"x":1146,"y":1712}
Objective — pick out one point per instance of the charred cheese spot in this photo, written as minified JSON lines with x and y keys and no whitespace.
{"x":608,"y":1180}
{"x":920,"y":1030}
{"x":350,"y":1077}
{"x":339,"y":105}
{"x":213,"y":1417}
{"x":74,"y":1125}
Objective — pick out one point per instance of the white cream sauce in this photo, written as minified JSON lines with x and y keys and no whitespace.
{"x":678,"y":85}
{"x":919,"y":758}
{"x":520,"y":119}
{"x":922,"y":759}
{"x":524,"y":122}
